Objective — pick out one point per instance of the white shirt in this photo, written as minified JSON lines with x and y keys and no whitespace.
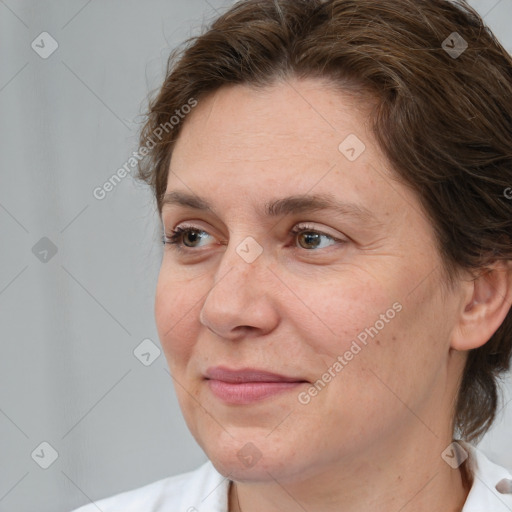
{"x":205,"y":490}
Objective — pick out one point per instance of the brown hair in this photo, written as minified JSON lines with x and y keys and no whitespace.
{"x":444,"y":121}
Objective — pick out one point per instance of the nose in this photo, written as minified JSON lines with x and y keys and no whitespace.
{"x":241,"y":302}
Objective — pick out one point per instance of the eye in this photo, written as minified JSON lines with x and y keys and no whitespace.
{"x":310,"y":239}
{"x":186,"y":237}
{"x":306,"y":237}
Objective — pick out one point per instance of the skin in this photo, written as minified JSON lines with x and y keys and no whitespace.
{"x":372,"y":438}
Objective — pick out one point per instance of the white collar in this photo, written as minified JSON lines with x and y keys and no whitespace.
{"x":487,"y":476}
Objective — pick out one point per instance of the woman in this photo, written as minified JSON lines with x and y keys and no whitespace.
{"x":335,"y":290}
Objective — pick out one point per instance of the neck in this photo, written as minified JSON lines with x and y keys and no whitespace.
{"x":413,"y":478}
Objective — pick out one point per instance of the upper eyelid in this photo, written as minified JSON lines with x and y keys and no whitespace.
{"x":303,"y":225}
{"x":183,"y":226}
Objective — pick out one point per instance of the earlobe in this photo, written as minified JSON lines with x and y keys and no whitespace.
{"x":487,"y":302}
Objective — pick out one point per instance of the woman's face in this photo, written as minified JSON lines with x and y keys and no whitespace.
{"x":305,"y":259}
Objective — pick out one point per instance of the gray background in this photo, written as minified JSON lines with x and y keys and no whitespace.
{"x":69,"y":325}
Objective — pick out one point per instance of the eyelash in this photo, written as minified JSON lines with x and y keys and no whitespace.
{"x":175,"y":235}
{"x":174,"y":239}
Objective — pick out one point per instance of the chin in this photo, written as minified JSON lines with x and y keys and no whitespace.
{"x":250,"y":455}
{"x":231,"y":468}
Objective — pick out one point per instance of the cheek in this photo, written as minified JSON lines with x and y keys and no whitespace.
{"x":337,"y":311}
{"x":396,"y":353}
{"x":177,"y":307}
{"x":379,"y":331}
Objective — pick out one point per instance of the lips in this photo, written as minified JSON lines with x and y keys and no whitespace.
{"x":247,"y":375}
{"x":248,"y":385}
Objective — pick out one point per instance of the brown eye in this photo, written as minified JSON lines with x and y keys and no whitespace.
{"x":191,"y":237}
{"x":186,"y":237}
{"x":309,"y":239}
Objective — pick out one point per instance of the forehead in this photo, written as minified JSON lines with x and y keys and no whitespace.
{"x":294,"y":138}
{"x":290,"y":119}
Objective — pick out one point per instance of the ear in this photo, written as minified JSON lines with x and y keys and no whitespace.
{"x":487,"y":301}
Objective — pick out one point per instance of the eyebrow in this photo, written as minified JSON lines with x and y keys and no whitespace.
{"x":280,"y":207}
